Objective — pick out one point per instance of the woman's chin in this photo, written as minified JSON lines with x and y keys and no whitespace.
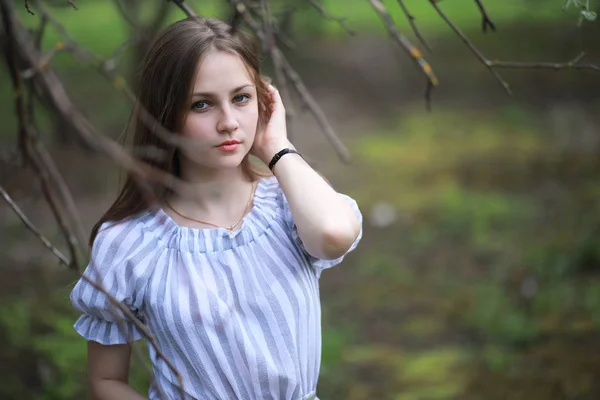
{"x":229,"y":161}
{"x":220,"y":161}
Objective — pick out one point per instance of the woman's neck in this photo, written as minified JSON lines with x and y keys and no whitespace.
{"x":219,"y":195}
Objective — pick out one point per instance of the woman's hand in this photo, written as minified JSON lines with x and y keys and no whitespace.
{"x":273,"y":137}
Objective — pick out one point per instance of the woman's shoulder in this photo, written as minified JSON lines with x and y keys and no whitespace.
{"x":268,"y":186}
{"x":269,"y":193}
{"x":113,"y":229}
{"x":120,"y":236}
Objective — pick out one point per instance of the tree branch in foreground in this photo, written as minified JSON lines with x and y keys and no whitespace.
{"x":408,"y":47}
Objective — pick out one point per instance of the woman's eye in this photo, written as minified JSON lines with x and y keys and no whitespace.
{"x":241,"y":98}
{"x":200,"y":105}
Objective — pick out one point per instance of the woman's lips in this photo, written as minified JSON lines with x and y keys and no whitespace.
{"x":228,"y":146}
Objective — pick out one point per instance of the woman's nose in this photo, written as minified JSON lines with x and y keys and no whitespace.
{"x":227,"y":121}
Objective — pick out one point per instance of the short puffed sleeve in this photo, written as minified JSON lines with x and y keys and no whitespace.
{"x":318,"y":263}
{"x":114,"y":263}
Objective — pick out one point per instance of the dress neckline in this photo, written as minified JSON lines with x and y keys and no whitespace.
{"x":189,"y":239}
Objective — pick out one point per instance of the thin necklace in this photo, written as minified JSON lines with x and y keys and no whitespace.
{"x":229,"y":228}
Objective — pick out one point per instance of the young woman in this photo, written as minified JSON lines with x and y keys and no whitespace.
{"x":225,"y":275}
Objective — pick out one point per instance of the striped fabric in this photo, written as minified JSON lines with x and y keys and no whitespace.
{"x":238,"y":314}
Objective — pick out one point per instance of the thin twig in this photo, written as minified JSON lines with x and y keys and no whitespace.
{"x":291,"y":74}
{"x":256,"y":10}
{"x":573,"y":64}
{"x":63,"y":193}
{"x":406,"y":45}
{"x":111,"y":63}
{"x":317,"y":112}
{"x":40,"y":31}
{"x":107,"y":69}
{"x":275,"y":54}
{"x":472,"y":47}
{"x":485,"y":18}
{"x":44,"y":61}
{"x":493,"y":64}
{"x":411,"y":21}
{"x":327,"y":15}
{"x":72,"y":4}
{"x":301,"y":89}
{"x":283,"y":38}
{"x":28,"y":8}
{"x":235,"y":21}
{"x":27,"y":52}
{"x":62,"y":258}
{"x":28,"y":140}
{"x":185,"y":8}
{"x":125,"y":14}
{"x":428,"y":91}
{"x":57,"y":96}
{"x":140,"y":171}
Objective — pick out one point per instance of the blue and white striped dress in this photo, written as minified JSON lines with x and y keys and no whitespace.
{"x":237,"y":313}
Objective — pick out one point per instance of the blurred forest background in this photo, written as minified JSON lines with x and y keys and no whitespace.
{"x":479,"y":273}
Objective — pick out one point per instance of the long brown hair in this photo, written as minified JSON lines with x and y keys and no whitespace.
{"x":164,"y":89}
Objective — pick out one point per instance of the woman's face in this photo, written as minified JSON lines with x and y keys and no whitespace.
{"x":223,"y":109}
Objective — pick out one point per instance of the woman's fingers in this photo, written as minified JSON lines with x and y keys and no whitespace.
{"x":275,"y":94}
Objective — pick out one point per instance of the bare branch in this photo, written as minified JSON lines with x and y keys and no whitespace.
{"x":185,"y":8}
{"x":428,"y":90}
{"x":142,"y":172}
{"x":110,"y":65}
{"x":43,"y":62}
{"x":411,"y":20}
{"x":30,"y":147}
{"x":301,"y":89}
{"x":317,"y":112}
{"x":257,"y":11}
{"x":126,"y":15}
{"x":290,"y":73}
{"x":327,"y":15}
{"x":40,"y":31}
{"x":275,"y":54}
{"x":38,"y":160}
{"x":573,"y":64}
{"x":235,"y":21}
{"x":406,"y":45}
{"x":493,"y":64}
{"x":63,"y":196}
{"x":72,"y":4}
{"x":471,"y":46}
{"x":28,"y":8}
{"x":107,"y":69}
{"x":485,"y":18}
{"x":30,"y":84}
{"x":62,"y":258}
{"x":56,"y":94}
{"x":129,"y":316}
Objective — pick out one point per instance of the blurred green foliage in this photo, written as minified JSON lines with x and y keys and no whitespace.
{"x":473,"y":250}
{"x":48,"y":356}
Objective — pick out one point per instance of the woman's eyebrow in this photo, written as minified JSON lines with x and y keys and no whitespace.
{"x":208,"y":94}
